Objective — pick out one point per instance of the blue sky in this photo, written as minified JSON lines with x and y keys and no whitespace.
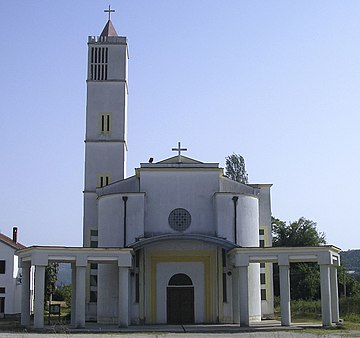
{"x":276,"y":81}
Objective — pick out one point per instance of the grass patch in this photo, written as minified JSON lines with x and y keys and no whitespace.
{"x":309,"y":311}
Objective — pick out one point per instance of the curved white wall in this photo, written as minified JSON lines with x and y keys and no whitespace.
{"x":111,"y":219}
{"x":248,"y":221}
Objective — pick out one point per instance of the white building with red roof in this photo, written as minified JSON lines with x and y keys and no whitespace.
{"x":10,"y":275}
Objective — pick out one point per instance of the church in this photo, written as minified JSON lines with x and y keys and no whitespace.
{"x":178,"y":242}
{"x":179,"y":215}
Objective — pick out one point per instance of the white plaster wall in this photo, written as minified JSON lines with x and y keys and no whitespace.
{"x":195,"y":270}
{"x":103,"y":158}
{"x":134,"y":307}
{"x":90,"y":216}
{"x":227,"y":306}
{"x":254,"y":292}
{"x":172,"y":245}
{"x":117,"y":66}
{"x":168,"y":190}
{"x":108,"y":293}
{"x":111,"y":219}
{"x":135,"y":217}
{"x":106,"y":97}
{"x":265,"y":223}
{"x":8,"y":280}
{"x":224,"y":210}
{"x":17,"y":273}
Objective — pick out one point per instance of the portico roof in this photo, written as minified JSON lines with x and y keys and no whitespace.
{"x":42,"y":255}
{"x":184,"y":237}
{"x":327,"y":254}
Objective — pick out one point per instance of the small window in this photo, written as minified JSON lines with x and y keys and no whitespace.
{"x":261,"y":232}
{"x":223,"y":255}
{"x":262,"y":279}
{"x":137,"y":288}
{"x":263,"y":294}
{"x":262,"y":243}
{"x":224,"y":288}
{"x":262,"y":265}
{"x":103,"y":180}
{"x":93,"y":296}
{"x":93,"y":232}
{"x":93,"y":244}
{"x":93,"y":280}
{"x":93,"y":266}
{"x":137,"y":258}
{"x":2,"y":290}
{"x":105,"y":123}
{"x":2,"y":267}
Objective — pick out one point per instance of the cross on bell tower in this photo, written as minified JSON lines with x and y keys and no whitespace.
{"x":179,"y":150}
{"x":109,"y":11}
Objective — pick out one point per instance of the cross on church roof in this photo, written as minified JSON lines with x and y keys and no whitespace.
{"x":179,"y":150}
{"x":109,"y":11}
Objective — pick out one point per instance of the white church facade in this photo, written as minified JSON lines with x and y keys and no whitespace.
{"x":178,"y":242}
{"x":179,"y":215}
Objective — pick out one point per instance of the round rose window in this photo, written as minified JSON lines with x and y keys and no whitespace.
{"x":179,"y":219}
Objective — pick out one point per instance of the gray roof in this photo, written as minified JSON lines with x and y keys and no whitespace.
{"x":109,"y":30}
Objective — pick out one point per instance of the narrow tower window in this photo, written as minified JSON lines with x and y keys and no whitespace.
{"x":104,"y":180}
{"x":105,"y":123}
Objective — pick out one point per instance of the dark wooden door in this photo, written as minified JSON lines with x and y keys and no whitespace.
{"x":180,"y":305}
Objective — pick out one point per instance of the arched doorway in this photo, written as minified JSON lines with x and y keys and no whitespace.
{"x":180,"y":300}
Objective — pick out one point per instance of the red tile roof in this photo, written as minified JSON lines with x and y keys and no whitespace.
{"x":7,"y":240}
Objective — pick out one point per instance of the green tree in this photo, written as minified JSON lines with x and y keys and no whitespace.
{"x":302,"y":232}
{"x":347,"y":282}
{"x":51,"y":272}
{"x":235,"y":168}
{"x":304,"y":277}
{"x":63,"y":293}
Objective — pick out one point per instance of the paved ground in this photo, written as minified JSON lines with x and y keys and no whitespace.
{"x":178,"y":335}
{"x":271,"y":329}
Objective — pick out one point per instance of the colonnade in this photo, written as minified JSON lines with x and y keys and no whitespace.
{"x":79,"y":258}
{"x":327,"y":257}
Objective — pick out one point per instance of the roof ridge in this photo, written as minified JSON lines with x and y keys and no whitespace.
{"x":7,"y":240}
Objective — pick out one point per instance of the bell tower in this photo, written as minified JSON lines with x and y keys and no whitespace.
{"x":106,"y":110}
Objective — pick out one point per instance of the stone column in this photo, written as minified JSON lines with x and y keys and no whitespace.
{"x":334,"y":294}
{"x":80,"y":295}
{"x":124,"y":292}
{"x":25,"y":294}
{"x":39,"y":296}
{"x":244,"y":295}
{"x":285,"y":294}
{"x":73,"y":294}
{"x":325,"y":294}
{"x":235,"y":296}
